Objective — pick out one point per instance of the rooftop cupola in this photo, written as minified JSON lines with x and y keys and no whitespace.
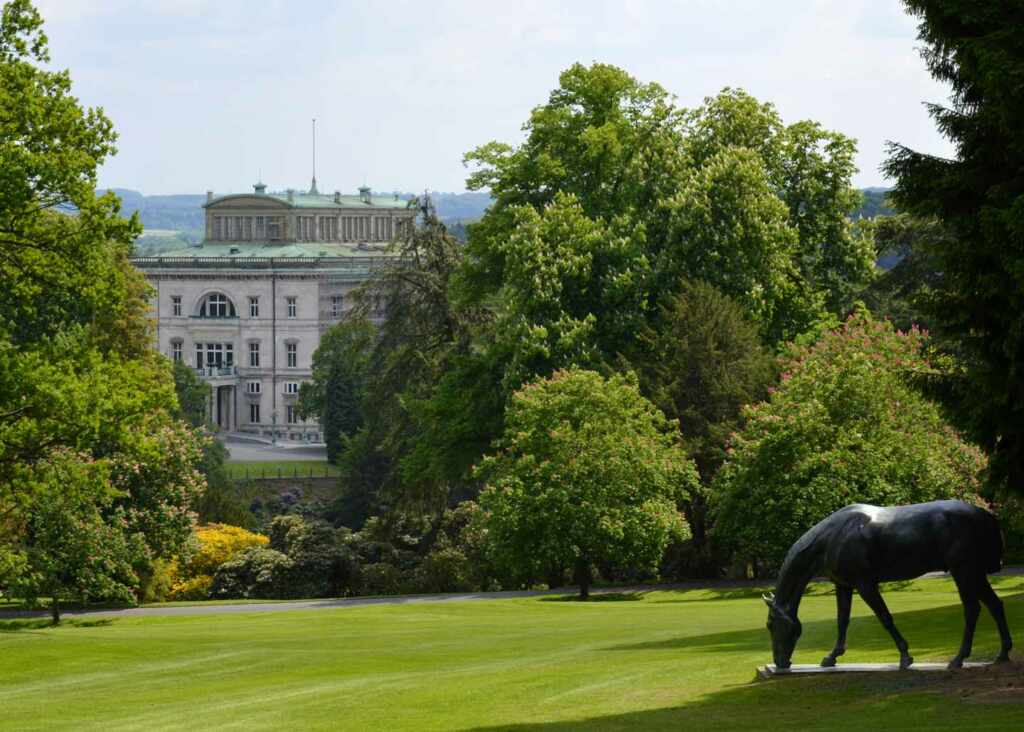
{"x":337,"y":196}
{"x":291,"y":195}
{"x":260,"y":188}
{"x":364,"y":194}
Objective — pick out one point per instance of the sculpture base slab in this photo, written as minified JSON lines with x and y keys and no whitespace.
{"x":804,"y":669}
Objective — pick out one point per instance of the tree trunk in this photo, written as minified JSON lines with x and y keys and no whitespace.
{"x":583,"y":578}
{"x":55,"y":610}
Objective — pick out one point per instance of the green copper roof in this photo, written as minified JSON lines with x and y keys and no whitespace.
{"x":279,"y":250}
{"x":308,"y":200}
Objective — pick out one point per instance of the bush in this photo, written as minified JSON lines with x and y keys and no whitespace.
{"x":257,"y":572}
{"x":218,"y":543}
{"x":195,"y":588}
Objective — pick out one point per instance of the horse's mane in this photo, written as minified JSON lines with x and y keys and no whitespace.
{"x":804,"y":545}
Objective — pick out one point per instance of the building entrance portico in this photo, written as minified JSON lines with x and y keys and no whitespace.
{"x":224,"y":407}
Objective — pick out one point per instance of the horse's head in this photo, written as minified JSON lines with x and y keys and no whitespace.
{"x":785,"y":632}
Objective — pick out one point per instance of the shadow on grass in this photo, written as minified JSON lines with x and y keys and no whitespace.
{"x":598,"y":597}
{"x":932,"y":633}
{"x":901,"y":701}
{"x":19,"y":625}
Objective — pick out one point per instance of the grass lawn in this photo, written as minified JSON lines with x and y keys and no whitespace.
{"x":282,"y":468}
{"x":668,"y":660}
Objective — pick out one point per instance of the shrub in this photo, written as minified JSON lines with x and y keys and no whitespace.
{"x":258,"y":572}
{"x":218,"y":543}
{"x":195,"y":588}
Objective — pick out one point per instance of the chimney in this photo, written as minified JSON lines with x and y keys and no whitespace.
{"x":337,"y":196}
{"x":209,"y":196}
{"x":364,"y":194}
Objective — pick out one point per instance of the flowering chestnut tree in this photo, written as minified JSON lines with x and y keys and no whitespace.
{"x":844,"y":426}
{"x":587,"y":471}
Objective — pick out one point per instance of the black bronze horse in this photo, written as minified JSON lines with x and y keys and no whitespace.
{"x":859,"y":546}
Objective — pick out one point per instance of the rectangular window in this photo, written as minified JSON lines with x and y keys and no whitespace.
{"x":253,"y":387}
{"x":216,"y":228}
{"x":254,"y":307}
{"x":248,"y":228}
{"x":176,"y":351}
{"x":291,"y":387}
{"x":292,"y":351}
{"x":293,"y":307}
{"x":254,"y":355}
{"x":199,"y":355}
{"x":238,"y":227}
{"x":229,"y":354}
{"x":261,"y":228}
{"x":176,"y":304}
{"x":289,"y":414}
{"x":254,"y":413}
{"x":337,"y":303}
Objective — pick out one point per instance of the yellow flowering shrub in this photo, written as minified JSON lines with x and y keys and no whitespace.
{"x":217,"y":544}
{"x":195,"y":588}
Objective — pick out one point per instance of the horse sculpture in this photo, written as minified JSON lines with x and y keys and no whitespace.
{"x":859,"y":546}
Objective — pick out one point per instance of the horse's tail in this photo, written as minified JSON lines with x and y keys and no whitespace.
{"x":993,"y":538}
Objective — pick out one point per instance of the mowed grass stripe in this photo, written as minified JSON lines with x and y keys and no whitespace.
{"x":674,"y":659}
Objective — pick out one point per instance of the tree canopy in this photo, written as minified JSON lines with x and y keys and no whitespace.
{"x":977,"y":197}
{"x":844,"y":426}
{"x":587,"y":471}
{"x":96,"y":474}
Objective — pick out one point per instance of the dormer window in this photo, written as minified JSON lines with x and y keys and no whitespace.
{"x":216,"y":305}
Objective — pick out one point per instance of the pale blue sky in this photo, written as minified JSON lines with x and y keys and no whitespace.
{"x":205,"y":95}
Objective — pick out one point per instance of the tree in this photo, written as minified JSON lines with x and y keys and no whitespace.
{"x":724,"y":192}
{"x":336,"y":392}
{"x":587,"y":471}
{"x":977,"y":197}
{"x":193,"y":395}
{"x":96,"y":475}
{"x":844,"y":426}
{"x":702,"y":366}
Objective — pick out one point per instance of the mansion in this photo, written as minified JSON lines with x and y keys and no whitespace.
{"x":246,"y":308}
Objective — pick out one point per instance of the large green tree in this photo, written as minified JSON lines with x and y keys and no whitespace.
{"x":87,"y":433}
{"x":846,"y":425}
{"x":702,"y":366}
{"x":978,"y":197}
{"x":587,"y":471}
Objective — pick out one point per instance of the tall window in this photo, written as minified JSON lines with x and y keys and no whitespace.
{"x":176,"y":351}
{"x":254,"y":413}
{"x":176,"y":304}
{"x":292,"y":352}
{"x":261,"y":228}
{"x":254,"y":307}
{"x":289,"y":414}
{"x":254,"y":355}
{"x":337,"y":302}
{"x":293,"y":307}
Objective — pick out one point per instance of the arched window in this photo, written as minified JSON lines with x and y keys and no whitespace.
{"x":216,"y":305}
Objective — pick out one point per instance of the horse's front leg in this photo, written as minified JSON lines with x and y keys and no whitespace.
{"x":967,"y":584}
{"x":844,"y":601}
{"x":874,"y":600}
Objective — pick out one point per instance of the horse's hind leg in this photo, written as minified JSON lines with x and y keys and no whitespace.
{"x":995,"y":606}
{"x":967,"y":584}
{"x":874,"y":600}
{"x":844,"y":601}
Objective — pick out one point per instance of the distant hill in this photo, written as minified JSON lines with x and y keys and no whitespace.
{"x":874,"y":204}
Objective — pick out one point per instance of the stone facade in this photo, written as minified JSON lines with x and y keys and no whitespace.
{"x":246,"y":307}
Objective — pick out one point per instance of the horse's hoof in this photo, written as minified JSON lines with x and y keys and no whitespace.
{"x":956,"y":663}
{"x":1003,"y":657}
{"x":828,"y":661}
{"x":905,"y":662}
